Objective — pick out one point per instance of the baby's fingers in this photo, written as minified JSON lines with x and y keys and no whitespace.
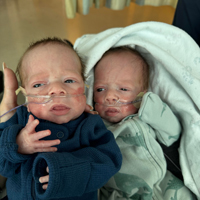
{"x":31,"y":125}
{"x":44,"y":179}
{"x":45,"y":186}
{"x":46,"y":145}
{"x":89,"y":109}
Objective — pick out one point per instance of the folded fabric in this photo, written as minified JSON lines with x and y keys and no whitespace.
{"x":159,"y":116}
{"x":174,"y":60}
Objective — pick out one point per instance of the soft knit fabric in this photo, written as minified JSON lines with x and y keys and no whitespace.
{"x":143,"y":175}
{"x":174,"y":60}
{"x":86,"y":158}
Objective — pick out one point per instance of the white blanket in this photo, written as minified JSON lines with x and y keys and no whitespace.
{"x":174,"y":59}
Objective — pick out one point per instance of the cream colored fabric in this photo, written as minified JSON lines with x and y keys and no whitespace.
{"x":83,"y":6}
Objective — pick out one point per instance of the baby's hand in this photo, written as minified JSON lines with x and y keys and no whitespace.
{"x":89,"y":109}
{"x":29,"y":141}
{"x":45,"y":179}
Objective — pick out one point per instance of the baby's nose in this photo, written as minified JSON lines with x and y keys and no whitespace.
{"x":111,"y":96}
{"x":57,"y":89}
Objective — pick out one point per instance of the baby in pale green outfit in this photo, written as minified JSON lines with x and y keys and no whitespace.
{"x":120,"y":80}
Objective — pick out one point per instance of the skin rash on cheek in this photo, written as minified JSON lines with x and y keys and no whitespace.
{"x":77,"y":92}
{"x":80,"y":90}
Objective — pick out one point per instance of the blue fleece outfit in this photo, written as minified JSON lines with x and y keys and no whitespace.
{"x":86,"y":158}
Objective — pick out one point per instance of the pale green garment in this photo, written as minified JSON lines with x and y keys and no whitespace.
{"x":143,"y":173}
{"x":174,"y":60}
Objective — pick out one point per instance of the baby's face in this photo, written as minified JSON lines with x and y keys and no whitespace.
{"x":54,"y":69}
{"x":117,"y":78}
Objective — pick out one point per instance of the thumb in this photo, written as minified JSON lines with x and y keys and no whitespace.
{"x":10,"y":85}
{"x":9,"y":100}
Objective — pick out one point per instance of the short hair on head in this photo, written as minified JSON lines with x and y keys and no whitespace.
{"x":145,"y":65}
{"x":44,"y":41}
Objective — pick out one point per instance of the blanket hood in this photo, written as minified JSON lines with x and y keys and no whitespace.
{"x":174,"y":60}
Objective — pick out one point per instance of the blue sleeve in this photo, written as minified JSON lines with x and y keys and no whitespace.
{"x":83,"y":170}
{"x":10,"y":159}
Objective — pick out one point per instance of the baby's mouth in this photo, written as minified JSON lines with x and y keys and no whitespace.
{"x":111,"y":111}
{"x":59,"y":109}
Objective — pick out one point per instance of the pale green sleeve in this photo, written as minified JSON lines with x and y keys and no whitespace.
{"x":160,"y":117}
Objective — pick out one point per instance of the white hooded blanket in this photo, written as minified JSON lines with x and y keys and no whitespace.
{"x":174,"y":60}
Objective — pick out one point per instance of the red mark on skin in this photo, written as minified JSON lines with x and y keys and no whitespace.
{"x":80,"y":93}
{"x":80,"y":90}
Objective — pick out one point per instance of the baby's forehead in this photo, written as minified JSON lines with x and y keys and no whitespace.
{"x":49,"y":51}
{"x":123,"y":59}
{"x":57,"y":47}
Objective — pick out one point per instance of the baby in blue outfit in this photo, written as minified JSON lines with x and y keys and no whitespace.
{"x":86,"y":156}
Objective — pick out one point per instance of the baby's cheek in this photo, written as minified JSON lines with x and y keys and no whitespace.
{"x":79,"y":99}
{"x":97,"y":107}
{"x":98,"y":98}
{"x":37,"y":109}
{"x":79,"y":94}
{"x":128,"y":110}
{"x":80,"y":90}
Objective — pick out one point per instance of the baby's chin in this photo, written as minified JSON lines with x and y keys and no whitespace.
{"x":113,"y":119}
{"x":56,"y":119}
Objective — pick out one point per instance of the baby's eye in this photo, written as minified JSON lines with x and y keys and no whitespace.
{"x":69,"y":81}
{"x":100,"y":89}
{"x":123,"y":89}
{"x":38,"y":85}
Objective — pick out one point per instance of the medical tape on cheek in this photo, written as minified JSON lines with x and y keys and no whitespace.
{"x":86,"y":85}
{"x":138,"y":99}
{"x":20,"y":89}
{"x":23,"y":91}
